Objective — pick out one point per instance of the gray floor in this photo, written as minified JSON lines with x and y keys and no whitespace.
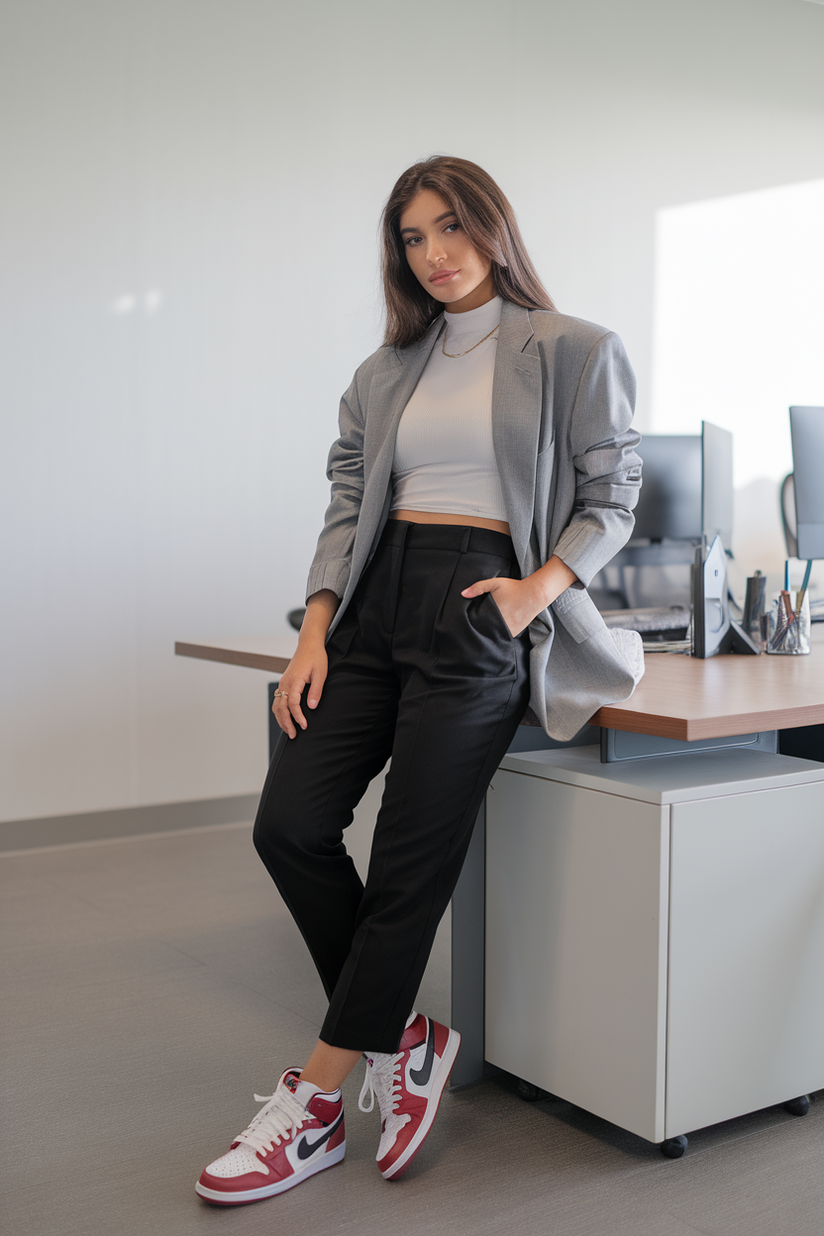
{"x":153,"y":984}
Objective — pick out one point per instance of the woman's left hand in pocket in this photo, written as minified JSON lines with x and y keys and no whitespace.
{"x":521,"y":600}
{"x":514,"y":598}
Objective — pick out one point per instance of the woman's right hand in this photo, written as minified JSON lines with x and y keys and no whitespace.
{"x":308,"y":666}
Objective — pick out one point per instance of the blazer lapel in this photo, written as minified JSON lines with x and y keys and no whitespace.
{"x":391,"y":389}
{"x":516,"y":421}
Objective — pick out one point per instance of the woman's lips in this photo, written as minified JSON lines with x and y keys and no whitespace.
{"x":442,"y":276}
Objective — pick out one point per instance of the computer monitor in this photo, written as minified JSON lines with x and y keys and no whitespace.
{"x":807,"y":435}
{"x":686,"y":499}
{"x":669,"y":504}
{"x":687,"y":490}
{"x":716,"y":484}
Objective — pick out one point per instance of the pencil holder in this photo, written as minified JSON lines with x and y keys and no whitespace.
{"x":788,"y":629}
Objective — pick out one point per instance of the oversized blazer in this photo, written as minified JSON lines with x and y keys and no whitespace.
{"x":562,"y":403}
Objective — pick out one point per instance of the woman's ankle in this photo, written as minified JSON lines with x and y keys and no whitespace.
{"x":328,"y":1066}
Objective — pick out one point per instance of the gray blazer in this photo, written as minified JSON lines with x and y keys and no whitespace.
{"x":562,"y":402}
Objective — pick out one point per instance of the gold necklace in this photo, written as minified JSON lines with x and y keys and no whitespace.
{"x":455,"y":355}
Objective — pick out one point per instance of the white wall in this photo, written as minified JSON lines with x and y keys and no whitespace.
{"x":162,"y":465}
{"x":738,"y":284}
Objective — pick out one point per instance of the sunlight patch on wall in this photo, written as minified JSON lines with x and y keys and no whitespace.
{"x":739,"y":319}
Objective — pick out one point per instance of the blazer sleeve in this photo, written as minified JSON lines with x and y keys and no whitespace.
{"x":333,"y":556}
{"x":607,"y":467}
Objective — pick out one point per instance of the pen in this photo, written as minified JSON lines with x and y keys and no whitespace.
{"x":799,"y":600}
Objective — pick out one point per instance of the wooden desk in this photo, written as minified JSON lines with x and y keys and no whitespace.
{"x":678,"y":697}
{"x":683,"y":698}
{"x":264,"y":652}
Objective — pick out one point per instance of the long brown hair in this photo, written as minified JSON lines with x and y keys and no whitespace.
{"x":489,"y":222}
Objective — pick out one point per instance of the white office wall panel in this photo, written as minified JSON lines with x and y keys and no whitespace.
{"x":746,"y":990}
{"x":576,"y":919}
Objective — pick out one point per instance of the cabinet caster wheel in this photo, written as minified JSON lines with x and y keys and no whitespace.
{"x":530,"y":1093}
{"x":674,"y":1147}
{"x":798,"y":1107}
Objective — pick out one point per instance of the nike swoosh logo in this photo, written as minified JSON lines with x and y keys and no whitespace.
{"x":306,"y":1148}
{"x":422,"y":1075}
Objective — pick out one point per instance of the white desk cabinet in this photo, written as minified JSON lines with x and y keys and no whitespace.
{"x":655,"y":933}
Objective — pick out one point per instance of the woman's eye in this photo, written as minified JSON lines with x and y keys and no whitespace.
{"x":411,"y":240}
{"x":452,"y":227}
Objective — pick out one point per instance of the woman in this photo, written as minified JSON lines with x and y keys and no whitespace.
{"x":484,"y":473}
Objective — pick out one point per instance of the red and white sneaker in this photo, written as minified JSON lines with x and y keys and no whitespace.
{"x":298,"y":1133}
{"x":409,"y":1086}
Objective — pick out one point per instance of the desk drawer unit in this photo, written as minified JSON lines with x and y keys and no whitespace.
{"x":655,"y":933}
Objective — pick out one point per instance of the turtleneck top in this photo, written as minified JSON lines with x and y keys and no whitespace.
{"x":444,"y":459}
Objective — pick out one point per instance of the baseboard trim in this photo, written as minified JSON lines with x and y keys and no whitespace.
{"x":124,"y":822}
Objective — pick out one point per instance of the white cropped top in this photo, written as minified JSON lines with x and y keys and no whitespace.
{"x":444,"y":459}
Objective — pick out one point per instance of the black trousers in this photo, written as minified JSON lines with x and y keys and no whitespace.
{"x":435,"y":681}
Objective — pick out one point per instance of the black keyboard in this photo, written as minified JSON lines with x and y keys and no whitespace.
{"x":656,"y":618}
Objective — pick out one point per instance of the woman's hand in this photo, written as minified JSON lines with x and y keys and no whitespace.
{"x":521,"y":600}
{"x":308,"y":666}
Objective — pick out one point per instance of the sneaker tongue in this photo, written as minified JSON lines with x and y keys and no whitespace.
{"x":303,"y":1091}
{"x":413,"y":1035}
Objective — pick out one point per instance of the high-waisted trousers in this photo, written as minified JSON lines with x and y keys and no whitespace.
{"x":437,"y":682}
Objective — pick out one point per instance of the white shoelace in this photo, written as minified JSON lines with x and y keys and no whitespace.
{"x":281,"y":1116}
{"x":384,"y":1080}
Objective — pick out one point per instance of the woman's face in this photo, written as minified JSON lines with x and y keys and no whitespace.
{"x":442,"y":257}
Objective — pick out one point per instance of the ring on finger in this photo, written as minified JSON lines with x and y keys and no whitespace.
{"x":281,"y":695}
